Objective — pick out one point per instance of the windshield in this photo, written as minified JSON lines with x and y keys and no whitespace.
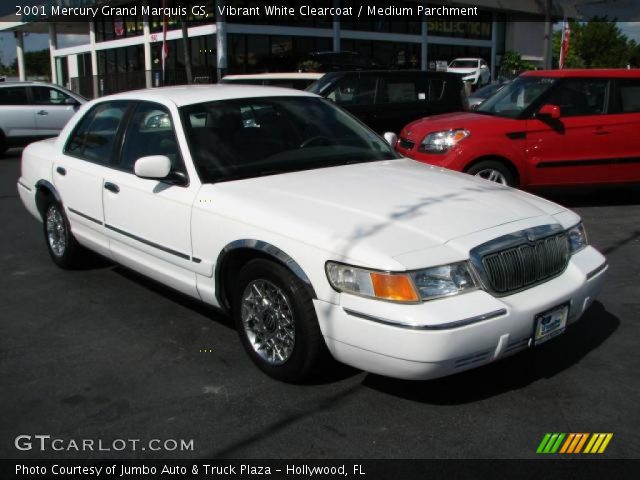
{"x":250,"y":137}
{"x":464,"y":64}
{"x":516,"y":97}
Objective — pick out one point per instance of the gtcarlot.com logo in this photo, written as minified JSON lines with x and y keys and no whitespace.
{"x":573,"y":443}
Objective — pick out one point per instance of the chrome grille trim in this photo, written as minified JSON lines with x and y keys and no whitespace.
{"x":521,"y":260}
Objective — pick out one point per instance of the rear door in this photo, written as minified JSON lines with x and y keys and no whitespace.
{"x":78,"y":174}
{"x":624,"y":128}
{"x":17,"y":118}
{"x":53,"y":108}
{"x":577,"y":148}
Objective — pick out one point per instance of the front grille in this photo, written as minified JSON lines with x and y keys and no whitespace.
{"x":406,"y":144}
{"x":523,"y":266}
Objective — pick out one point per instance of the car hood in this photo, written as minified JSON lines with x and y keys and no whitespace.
{"x":449,"y":121}
{"x":375,"y":210}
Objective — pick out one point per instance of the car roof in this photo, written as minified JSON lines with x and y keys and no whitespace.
{"x":276,"y":76}
{"x":15,"y":83}
{"x":190,"y":94}
{"x":585,"y":72}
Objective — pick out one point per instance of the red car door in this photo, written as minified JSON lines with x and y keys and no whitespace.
{"x":624,"y":130}
{"x":579,"y":147}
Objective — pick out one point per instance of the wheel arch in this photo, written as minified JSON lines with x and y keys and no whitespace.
{"x":44,"y":191}
{"x":497,"y":158}
{"x":237,"y":253}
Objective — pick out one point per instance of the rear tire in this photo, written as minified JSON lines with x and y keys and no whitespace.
{"x":64,"y":249}
{"x":276,"y":321}
{"x":493,"y":171}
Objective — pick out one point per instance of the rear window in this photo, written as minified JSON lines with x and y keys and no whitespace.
{"x":13,"y":96}
{"x":629,"y":90}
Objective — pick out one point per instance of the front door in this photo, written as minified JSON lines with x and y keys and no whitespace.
{"x":149,"y":221}
{"x":577,"y":148}
{"x":53,"y":109}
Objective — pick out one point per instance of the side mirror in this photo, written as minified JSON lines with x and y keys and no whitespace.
{"x":391,"y":138}
{"x":549,"y":111}
{"x":153,"y":166}
{"x":70,"y":101}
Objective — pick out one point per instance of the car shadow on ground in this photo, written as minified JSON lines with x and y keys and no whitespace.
{"x":601,"y":196}
{"x":331,"y":372}
{"x":511,"y":373}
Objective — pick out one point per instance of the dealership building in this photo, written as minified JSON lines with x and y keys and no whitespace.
{"x":124,"y":51}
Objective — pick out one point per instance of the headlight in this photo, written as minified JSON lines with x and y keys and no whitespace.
{"x":441,"y":142}
{"x":410,"y":287}
{"x":577,"y":238}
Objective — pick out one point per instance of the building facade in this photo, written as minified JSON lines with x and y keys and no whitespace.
{"x":125,"y":51}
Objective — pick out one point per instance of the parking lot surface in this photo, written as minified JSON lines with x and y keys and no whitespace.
{"x":106,"y":354}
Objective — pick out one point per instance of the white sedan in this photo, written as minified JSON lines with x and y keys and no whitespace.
{"x":277,"y":207}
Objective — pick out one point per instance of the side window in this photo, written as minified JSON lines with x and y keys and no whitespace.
{"x":403,"y":90}
{"x":344,"y":91}
{"x":435,"y":89}
{"x":579,"y":96}
{"x":48,"y":96}
{"x":13,"y":96}
{"x":150,"y":132}
{"x":95,"y":134}
{"x":629,"y":95}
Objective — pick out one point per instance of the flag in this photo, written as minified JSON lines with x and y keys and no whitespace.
{"x":564,"y":46}
{"x":165,"y":45}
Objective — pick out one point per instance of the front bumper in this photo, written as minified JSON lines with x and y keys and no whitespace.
{"x":417,"y":342}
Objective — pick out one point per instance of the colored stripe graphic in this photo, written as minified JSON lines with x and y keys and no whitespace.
{"x":573,"y":443}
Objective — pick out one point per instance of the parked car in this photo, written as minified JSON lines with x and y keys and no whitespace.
{"x":386,"y":100}
{"x":297,"y":80}
{"x":32,"y":111}
{"x":480,"y":95}
{"x":280,"y":208}
{"x":558,"y":127}
{"x":474,"y":71}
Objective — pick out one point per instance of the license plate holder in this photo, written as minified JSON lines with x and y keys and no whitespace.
{"x":550,"y":323}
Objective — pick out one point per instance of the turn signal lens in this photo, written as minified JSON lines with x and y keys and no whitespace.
{"x":393,"y":287}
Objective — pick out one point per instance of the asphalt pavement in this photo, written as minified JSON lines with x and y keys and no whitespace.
{"x":105,"y":354}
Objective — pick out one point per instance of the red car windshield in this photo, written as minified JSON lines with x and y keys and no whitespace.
{"x":516,"y":97}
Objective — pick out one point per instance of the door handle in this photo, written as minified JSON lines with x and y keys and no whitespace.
{"x":112,"y":187}
{"x":61,"y":170}
{"x":43,"y":112}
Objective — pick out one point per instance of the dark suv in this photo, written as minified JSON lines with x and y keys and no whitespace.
{"x":386,"y":100}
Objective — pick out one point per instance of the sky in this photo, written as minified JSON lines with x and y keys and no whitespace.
{"x":40,"y":41}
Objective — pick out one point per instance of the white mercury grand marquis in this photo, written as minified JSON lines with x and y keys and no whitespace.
{"x":280,"y":208}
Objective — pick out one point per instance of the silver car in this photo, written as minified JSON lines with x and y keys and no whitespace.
{"x":32,"y":111}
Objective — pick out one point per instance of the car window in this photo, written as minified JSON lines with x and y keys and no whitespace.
{"x":150,"y":132}
{"x":13,"y":96}
{"x":512,"y":100}
{"x":48,"y":96}
{"x":403,"y":90}
{"x":242,"y":138}
{"x":629,"y":95}
{"x":352,"y":90}
{"x":580,"y":96}
{"x":95,"y":134}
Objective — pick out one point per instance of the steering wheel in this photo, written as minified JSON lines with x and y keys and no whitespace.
{"x":318,"y":140}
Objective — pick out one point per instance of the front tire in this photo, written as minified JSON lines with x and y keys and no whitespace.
{"x":64,"y":249}
{"x":276,"y":321}
{"x":493,"y":171}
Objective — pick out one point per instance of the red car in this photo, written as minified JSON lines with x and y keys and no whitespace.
{"x":555,"y":127}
